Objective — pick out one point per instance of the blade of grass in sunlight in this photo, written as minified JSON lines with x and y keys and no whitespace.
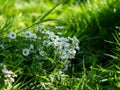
{"x":7,"y":26}
{"x":42,"y":19}
{"x":47,"y":13}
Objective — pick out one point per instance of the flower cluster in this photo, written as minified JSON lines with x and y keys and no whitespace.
{"x":29,"y":35}
{"x":9,"y":77}
{"x":64,"y":48}
{"x":38,"y":50}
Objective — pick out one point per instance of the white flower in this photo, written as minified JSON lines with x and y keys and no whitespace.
{"x":51,"y":35}
{"x":12,"y":35}
{"x":27,"y":34}
{"x":63,"y":39}
{"x":75,"y":43}
{"x":8,"y":77}
{"x":34,"y":36}
{"x":59,"y":33}
{"x":72,"y":53}
{"x":64,"y":44}
{"x":2,"y":46}
{"x":31,"y":48}
{"x":75,"y":40}
{"x":12,"y":79}
{"x":23,"y":32}
{"x":64,"y":55}
{"x":47,"y":43}
{"x":57,"y":45}
{"x":42,"y":53}
{"x":26,"y":52}
{"x":4,"y":70}
{"x":54,"y":37}
{"x":114,"y":10}
{"x":60,"y":71}
{"x":47,"y":32}
{"x":59,"y":27}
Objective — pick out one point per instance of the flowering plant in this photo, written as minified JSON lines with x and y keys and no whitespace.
{"x":37,"y":51}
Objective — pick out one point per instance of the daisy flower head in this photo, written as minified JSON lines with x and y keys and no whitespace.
{"x":27,"y":34}
{"x":12,"y":35}
{"x":31,"y":49}
{"x":26,"y":52}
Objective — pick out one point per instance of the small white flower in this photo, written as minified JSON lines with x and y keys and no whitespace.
{"x":31,"y":48}
{"x":60,"y":71}
{"x":64,"y":55}
{"x":72,"y":51}
{"x":42,"y":53}
{"x":27,"y":34}
{"x":12,"y":35}
{"x":26,"y":52}
{"x":51,"y":35}
{"x":75,"y":43}
{"x":12,"y":79}
{"x":114,"y":10}
{"x":54,"y":37}
{"x":8,"y":77}
{"x":23,"y":32}
{"x":2,"y":46}
{"x":14,"y":75}
{"x":47,"y":32}
{"x":64,"y":44}
{"x":63,"y":39}
{"x":59,"y":33}
{"x":34,"y":36}
{"x":59,"y":27}
{"x":56,"y":43}
{"x":47,"y":43}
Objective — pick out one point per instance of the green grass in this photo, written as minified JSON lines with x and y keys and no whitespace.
{"x":94,"y":22}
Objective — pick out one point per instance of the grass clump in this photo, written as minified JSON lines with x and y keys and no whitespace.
{"x":93,"y":23}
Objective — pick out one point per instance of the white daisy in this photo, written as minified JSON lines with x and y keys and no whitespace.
{"x":26,"y":52}
{"x":31,"y":48}
{"x":27,"y":34}
{"x":12,"y":35}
